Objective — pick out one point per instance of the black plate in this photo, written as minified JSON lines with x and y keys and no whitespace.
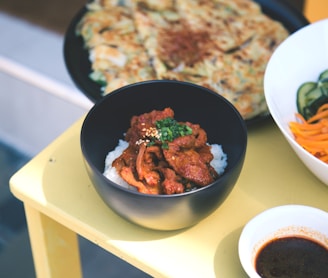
{"x":77,"y":57}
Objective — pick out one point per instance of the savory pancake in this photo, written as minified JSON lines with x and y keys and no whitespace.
{"x":174,"y":49}
{"x":223,"y":20}
{"x":221,"y":44}
{"x":117,"y":54}
{"x":240,"y":78}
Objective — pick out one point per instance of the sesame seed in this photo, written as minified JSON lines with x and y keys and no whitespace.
{"x":150,"y":132}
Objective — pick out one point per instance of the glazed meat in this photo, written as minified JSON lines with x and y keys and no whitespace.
{"x":165,"y":156}
{"x":143,"y":126}
{"x":190,"y":164}
{"x":190,"y":157}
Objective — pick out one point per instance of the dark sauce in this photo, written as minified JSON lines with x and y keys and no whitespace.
{"x":292,"y":257}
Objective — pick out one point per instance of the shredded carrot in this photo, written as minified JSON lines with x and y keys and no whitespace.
{"x":312,"y":134}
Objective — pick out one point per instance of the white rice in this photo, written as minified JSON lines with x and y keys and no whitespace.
{"x":110,"y":171}
{"x":219,"y":162}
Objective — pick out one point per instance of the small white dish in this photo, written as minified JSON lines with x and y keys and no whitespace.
{"x":277,"y":222}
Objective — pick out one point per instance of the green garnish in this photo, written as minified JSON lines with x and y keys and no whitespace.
{"x":98,"y":77}
{"x":169,"y":129}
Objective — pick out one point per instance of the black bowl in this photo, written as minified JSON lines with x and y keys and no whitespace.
{"x":109,"y":119}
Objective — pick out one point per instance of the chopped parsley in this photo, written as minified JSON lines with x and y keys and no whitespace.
{"x":169,"y":129}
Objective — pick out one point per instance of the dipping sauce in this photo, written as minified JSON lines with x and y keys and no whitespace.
{"x":292,"y":257}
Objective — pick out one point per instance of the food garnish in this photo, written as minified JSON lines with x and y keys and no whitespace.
{"x":312,"y":133}
{"x":169,"y":129}
{"x":311,"y":95}
{"x":165,"y":130}
{"x":311,"y":126}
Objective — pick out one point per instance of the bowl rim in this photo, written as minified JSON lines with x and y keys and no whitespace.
{"x":100,"y":102}
{"x":269,"y":95}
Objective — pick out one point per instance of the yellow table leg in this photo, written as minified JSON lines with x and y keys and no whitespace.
{"x":54,"y":247}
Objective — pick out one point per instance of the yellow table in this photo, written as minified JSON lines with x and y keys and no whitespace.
{"x":61,"y":202}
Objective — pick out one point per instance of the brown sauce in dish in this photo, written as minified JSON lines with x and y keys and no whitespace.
{"x":292,"y":257}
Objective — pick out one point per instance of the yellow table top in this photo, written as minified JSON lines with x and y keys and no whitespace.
{"x":55,"y":182}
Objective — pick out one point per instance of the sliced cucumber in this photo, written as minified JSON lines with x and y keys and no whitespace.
{"x":323,"y":75}
{"x":323,"y":85}
{"x":314,"y":105}
{"x":311,"y":95}
{"x":303,"y":94}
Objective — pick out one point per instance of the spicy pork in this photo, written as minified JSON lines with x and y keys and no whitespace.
{"x":165,"y":156}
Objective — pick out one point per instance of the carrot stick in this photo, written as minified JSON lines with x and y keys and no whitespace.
{"x":323,"y":107}
{"x":312,"y":134}
{"x":319,"y":116}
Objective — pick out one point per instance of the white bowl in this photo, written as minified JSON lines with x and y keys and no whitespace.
{"x":298,"y":59}
{"x":278,"y":222}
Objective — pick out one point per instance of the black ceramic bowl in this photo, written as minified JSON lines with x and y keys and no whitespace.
{"x":109,"y":119}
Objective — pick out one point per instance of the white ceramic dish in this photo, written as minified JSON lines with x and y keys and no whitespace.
{"x":277,"y":222}
{"x":300,"y":58}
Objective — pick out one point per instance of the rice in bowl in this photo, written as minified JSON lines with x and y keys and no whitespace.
{"x":219,"y":163}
